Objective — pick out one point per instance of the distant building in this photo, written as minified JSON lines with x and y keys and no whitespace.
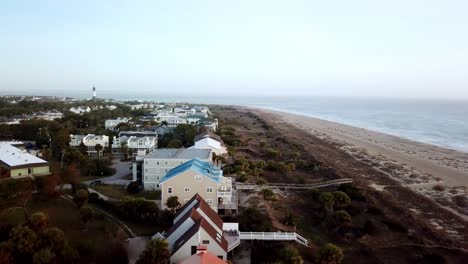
{"x":80,"y":110}
{"x":172,"y":120}
{"x":158,"y":163}
{"x":111,"y":124}
{"x":49,"y":115}
{"x":199,"y":177}
{"x":15,"y":163}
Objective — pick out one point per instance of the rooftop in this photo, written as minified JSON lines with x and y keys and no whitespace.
{"x":179,"y":154}
{"x":202,"y":167}
{"x":14,"y":157}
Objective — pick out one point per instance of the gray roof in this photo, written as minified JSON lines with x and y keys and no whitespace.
{"x":180,"y":154}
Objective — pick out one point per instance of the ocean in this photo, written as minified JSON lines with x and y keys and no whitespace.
{"x":438,"y":122}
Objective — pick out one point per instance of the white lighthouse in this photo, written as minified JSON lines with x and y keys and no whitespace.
{"x":94,"y":93}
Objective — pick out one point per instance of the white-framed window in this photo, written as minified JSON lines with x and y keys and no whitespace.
{"x":169,"y":189}
{"x":209,"y":201}
{"x":187,"y":189}
{"x":198,"y":177}
{"x":209,"y":189}
{"x":157,"y":163}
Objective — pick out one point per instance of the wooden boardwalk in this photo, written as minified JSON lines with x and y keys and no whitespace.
{"x":254,"y":187}
{"x":274,"y":236}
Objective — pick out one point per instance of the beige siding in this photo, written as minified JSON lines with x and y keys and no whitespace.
{"x":187,"y":179}
{"x":40,"y":170}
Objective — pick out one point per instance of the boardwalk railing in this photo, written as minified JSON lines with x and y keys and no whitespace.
{"x":274,"y":236}
{"x":249,"y":186}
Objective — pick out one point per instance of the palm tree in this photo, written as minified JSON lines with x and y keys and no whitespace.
{"x":98,"y":148}
{"x":124,"y":150}
{"x":173,"y":203}
{"x":156,"y":252}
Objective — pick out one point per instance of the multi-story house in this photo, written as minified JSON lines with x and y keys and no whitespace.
{"x":137,"y":146}
{"x":158,"y":163}
{"x":171,"y":119}
{"x":90,"y":141}
{"x":197,"y":225}
{"x":210,"y":141}
{"x":15,"y":163}
{"x":199,"y":177}
{"x":111,"y":124}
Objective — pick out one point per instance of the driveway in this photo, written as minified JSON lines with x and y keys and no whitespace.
{"x":122,"y":168}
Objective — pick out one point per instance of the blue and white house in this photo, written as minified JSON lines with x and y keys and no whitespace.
{"x":199,"y":177}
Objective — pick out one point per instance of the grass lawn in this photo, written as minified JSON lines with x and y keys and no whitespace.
{"x":119,"y":192}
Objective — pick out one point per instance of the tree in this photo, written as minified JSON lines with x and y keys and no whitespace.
{"x":341,"y":199}
{"x":261,"y":181}
{"x":327,"y":201}
{"x":124,"y":150}
{"x":156,"y":252}
{"x":290,"y":255}
{"x":6,"y":253}
{"x":86,"y":214}
{"x":173,"y":203}
{"x":267,"y":194}
{"x":290,"y":168}
{"x":175,"y":143}
{"x":24,"y":239}
{"x":81,"y":197}
{"x":330,"y":254}
{"x":38,"y":221}
{"x":44,"y":256}
{"x":342,"y":218}
{"x":134,"y":187}
{"x":99,"y":149}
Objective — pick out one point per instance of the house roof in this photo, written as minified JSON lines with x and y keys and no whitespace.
{"x":14,"y":157}
{"x":201,"y":167}
{"x":203,"y":257}
{"x":180,"y":154}
{"x":208,"y":135}
{"x":205,"y":225}
{"x":204,"y":206}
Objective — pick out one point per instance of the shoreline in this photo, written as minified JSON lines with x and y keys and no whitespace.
{"x":402,"y":137}
{"x":436,"y":172}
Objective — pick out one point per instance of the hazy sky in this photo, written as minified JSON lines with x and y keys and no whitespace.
{"x":360,"y":47}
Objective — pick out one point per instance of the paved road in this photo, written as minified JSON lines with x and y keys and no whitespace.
{"x":122,"y":168}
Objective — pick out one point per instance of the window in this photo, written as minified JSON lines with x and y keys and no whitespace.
{"x":220,"y":257}
{"x":187,"y":189}
{"x":206,"y":242}
{"x":30,"y":171}
{"x":169,"y":189}
{"x":209,"y":189}
{"x":166,"y":162}
{"x":157,"y":163}
{"x":198,"y":177}
{"x":209,"y":201}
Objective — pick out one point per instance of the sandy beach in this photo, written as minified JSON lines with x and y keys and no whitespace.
{"x":436,"y":172}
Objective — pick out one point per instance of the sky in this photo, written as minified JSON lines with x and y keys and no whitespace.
{"x":416,"y":48}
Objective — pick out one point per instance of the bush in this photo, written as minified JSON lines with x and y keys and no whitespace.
{"x":139,"y":210}
{"x":352,"y":191}
{"x":330,"y":254}
{"x":134,"y":187}
{"x":267,"y":194}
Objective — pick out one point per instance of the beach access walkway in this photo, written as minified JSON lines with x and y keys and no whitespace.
{"x":256,"y":187}
{"x":274,"y":236}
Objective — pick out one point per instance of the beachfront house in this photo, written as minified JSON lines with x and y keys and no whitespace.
{"x":195,"y":225}
{"x":199,"y":177}
{"x":158,"y":163}
{"x":210,"y":141}
{"x":16,"y":163}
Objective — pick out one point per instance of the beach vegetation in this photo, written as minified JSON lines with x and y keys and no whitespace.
{"x":156,"y":251}
{"x":330,"y":254}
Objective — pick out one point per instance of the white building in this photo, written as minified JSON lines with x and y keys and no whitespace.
{"x":80,"y":110}
{"x":49,"y":115}
{"x":158,"y":163}
{"x":210,"y":141}
{"x":138,"y":146}
{"x":111,"y":124}
{"x":172,"y":120}
{"x":90,"y":141}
